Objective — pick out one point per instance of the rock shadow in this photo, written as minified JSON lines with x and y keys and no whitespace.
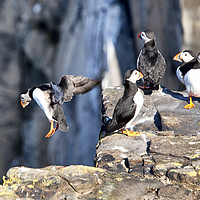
{"x":178,"y":95}
{"x":157,"y":121}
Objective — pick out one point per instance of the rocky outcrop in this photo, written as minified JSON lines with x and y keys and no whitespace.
{"x":167,"y":148}
{"x":43,"y":40}
{"x":162,"y":161}
{"x":162,"y":111}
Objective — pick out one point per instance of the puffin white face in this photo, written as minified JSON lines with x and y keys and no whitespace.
{"x":147,"y":36}
{"x":25,"y":99}
{"x":144,"y":37}
{"x":136,"y":75}
{"x":183,"y":56}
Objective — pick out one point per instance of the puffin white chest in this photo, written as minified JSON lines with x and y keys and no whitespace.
{"x":43,"y":100}
{"x":192,"y":82}
{"x":139,"y":100}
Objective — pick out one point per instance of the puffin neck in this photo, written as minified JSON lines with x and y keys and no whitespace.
{"x":193,"y":64}
{"x":31,"y":92}
{"x":150,"y":43}
{"x":130,"y":88}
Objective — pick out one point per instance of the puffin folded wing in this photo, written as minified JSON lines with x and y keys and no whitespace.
{"x":124,"y":111}
{"x":83,"y":84}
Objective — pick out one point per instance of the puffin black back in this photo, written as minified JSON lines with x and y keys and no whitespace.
{"x":150,"y":61}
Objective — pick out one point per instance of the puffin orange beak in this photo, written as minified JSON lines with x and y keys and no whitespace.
{"x":139,"y":36}
{"x":140,"y":75}
{"x":178,"y":57}
{"x":23,"y":104}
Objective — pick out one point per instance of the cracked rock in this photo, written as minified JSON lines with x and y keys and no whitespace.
{"x":52,"y":181}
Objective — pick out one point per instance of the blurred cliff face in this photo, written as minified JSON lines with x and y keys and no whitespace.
{"x":191,"y":25}
{"x":42,"y":40}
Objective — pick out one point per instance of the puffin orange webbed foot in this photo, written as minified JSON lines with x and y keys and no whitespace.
{"x":190,"y":105}
{"x":130,"y":133}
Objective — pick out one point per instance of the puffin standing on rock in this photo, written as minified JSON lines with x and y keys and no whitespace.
{"x":128,"y":106}
{"x":150,"y":61}
{"x":51,"y":96}
{"x":189,"y":73}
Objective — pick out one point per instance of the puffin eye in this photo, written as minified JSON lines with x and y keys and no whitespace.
{"x":142,"y":34}
{"x":185,"y":54}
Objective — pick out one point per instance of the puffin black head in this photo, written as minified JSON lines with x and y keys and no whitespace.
{"x":147,"y":36}
{"x":128,"y":74}
{"x":184,"y":56}
{"x":25,"y":98}
{"x":132,"y":75}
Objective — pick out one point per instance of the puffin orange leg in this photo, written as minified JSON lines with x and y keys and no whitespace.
{"x":144,"y":86}
{"x":52,"y":130}
{"x":190,"y":105}
{"x":130,"y":133}
{"x":57,"y":125}
{"x":123,"y":131}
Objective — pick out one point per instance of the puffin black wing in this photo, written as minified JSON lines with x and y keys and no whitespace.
{"x":82,"y":84}
{"x":59,"y":116}
{"x":150,"y":61}
{"x":70,"y":85}
{"x":152,"y":67}
{"x":123,"y":113}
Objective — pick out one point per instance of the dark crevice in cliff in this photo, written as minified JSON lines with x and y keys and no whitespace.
{"x":157,"y":121}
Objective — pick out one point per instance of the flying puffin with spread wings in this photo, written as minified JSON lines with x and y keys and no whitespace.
{"x":51,"y":96}
{"x":150,"y":61}
{"x":189,"y":73}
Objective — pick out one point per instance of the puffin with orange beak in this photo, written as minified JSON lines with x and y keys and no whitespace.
{"x":188,"y":73}
{"x":183,"y":57}
{"x":150,"y":61}
{"x":51,"y":96}
{"x":128,"y":106}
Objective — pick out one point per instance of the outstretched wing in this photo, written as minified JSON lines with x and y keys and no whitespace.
{"x":82,"y":84}
{"x":70,"y":85}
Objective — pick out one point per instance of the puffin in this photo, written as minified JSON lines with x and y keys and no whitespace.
{"x":190,"y":73}
{"x":128,"y":106}
{"x":150,"y":61}
{"x":50,"y":98}
{"x":183,"y":57}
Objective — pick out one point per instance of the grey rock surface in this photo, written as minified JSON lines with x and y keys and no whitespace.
{"x":167,"y":147}
{"x":154,"y":164}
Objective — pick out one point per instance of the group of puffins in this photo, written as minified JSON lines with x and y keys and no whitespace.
{"x":151,"y":67}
